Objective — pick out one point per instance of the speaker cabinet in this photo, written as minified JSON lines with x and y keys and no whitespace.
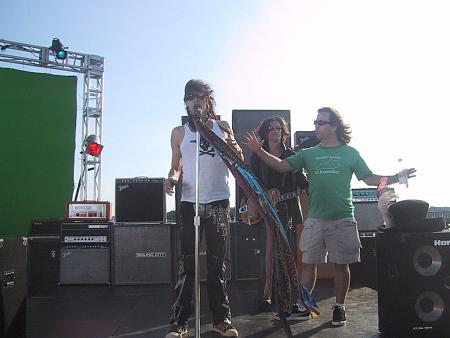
{"x":140,"y":200}
{"x":13,"y":287}
{"x":46,"y":227}
{"x":85,"y":264}
{"x":414,"y":283}
{"x":364,"y":273}
{"x":249,"y":250}
{"x":43,"y":264}
{"x":142,"y":254}
{"x":244,"y":120}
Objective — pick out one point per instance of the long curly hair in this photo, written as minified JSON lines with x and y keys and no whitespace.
{"x":343,"y":130}
{"x":263,"y":130}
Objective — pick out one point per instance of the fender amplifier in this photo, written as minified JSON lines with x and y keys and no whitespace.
{"x":140,"y":200}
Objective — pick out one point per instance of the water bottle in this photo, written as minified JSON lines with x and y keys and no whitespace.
{"x":402,"y":175}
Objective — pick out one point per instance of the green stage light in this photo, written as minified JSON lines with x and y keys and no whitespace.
{"x":58,"y":48}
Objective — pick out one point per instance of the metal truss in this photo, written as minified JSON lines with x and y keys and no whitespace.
{"x":92,"y":66}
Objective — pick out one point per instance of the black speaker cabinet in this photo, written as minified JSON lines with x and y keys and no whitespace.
{"x":244,"y":120}
{"x":364,"y":273}
{"x":142,"y":254}
{"x":414,"y":283}
{"x":85,"y":264}
{"x":140,"y":200}
{"x":46,"y":227}
{"x":249,"y":249}
{"x":43,"y":264}
{"x":13,"y":256}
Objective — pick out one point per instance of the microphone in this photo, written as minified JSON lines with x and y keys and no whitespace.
{"x":198,"y":112}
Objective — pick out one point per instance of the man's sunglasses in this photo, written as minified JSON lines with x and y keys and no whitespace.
{"x":321,"y":122}
{"x":193,"y":96}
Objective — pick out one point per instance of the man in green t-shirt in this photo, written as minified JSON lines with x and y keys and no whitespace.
{"x":330,"y":227}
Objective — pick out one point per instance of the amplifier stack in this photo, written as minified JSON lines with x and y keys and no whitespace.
{"x":369,"y":219}
{"x":85,"y":253}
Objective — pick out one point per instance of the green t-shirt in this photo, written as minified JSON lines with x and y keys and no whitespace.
{"x":330,"y":172}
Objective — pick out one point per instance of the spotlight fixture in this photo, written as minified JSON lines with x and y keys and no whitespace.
{"x":93,"y":146}
{"x":58,"y":48}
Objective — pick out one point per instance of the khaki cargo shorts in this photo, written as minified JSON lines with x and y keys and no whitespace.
{"x":338,"y":238}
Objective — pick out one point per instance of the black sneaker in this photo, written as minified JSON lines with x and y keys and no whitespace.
{"x":226,"y":330}
{"x":276,"y":316}
{"x":265,"y":305}
{"x":299,"y":312}
{"x":177,"y":331}
{"x":339,"y":318}
{"x":296,"y":314}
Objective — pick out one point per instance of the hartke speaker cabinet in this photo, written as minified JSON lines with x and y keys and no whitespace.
{"x":140,"y":200}
{"x":414,"y":283}
{"x":142,"y":254}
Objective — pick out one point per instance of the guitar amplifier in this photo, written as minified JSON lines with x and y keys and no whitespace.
{"x":85,"y":253}
{"x":367,"y":215}
{"x":88,"y":210}
{"x":305,"y":139}
{"x":84,"y":233}
{"x":140,"y":200}
{"x":46,"y":227}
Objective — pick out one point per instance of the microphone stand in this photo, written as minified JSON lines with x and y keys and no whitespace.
{"x":197,"y":239}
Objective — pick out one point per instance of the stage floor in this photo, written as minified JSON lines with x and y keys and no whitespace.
{"x":98,"y":311}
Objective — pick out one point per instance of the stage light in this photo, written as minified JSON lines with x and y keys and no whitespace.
{"x":93,"y":146}
{"x":58,"y":48}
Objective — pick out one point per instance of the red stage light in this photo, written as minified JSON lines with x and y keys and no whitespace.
{"x":94,"y":149}
{"x":93,"y":146}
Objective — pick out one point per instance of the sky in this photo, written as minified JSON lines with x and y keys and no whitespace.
{"x":384,"y":65}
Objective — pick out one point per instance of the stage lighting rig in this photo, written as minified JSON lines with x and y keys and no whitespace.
{"x":93,"y":146}
{"x":59,"y":50}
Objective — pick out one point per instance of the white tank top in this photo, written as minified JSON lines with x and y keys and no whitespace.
{"x":213,"y":174}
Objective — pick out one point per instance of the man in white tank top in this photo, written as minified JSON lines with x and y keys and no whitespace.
{"x":214,"y":196}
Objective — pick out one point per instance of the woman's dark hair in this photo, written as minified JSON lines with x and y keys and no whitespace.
{"x":263,"y":129}
{"x":343,"y":131}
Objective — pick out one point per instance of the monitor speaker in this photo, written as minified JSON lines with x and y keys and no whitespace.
{"x":414,"y":283}
{"x":244,"y":120}
{"x":142,"y":254}
{"x":140,"y":200}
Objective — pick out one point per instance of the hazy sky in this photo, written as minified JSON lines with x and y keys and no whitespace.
{"x":385,"y":65}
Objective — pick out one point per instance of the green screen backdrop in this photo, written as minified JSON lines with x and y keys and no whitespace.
{"x":37,"y":130}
